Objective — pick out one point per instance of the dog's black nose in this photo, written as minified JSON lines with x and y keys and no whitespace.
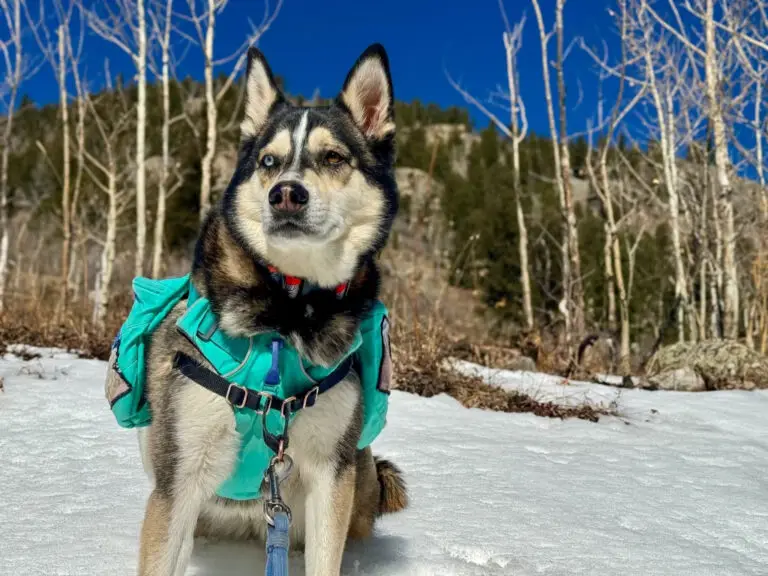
{"x":288,"y":198}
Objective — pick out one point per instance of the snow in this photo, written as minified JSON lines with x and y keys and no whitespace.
{"x":546,"y":387}
{"x":676,"y":485}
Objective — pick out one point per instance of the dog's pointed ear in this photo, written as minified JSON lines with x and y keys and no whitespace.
{"x":261,"y":93}
{"x":368,"y":96}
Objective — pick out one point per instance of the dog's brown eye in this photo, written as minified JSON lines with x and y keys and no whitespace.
{"x":333,"y":158}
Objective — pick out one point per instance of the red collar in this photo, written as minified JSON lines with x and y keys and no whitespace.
{"x":295,"y":285}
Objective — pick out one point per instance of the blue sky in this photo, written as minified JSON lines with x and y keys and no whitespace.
{"x":313,"y":44}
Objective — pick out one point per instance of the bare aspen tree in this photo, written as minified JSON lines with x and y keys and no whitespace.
{"x":760,"y":266}
{"x":512,"y":46}
{"x":571,"y":225}
{"x":163,"y":31}
{"x":66,"y":221}
{"x":204,"y":21}
{"x":11,"y":50}
{"x":645,"y":47}
{"x":601,"y":182}
{"x":74,"y":50}
{"x":123,"y":23}
{"x":567,"y":305}
{"x":80,"y":157}
{"x":516,"y":132}
{"x":141,"y":129}
{"x":743,"y":28}
{"x":734,"y":23}
{"x":56,"y":53}
{"x":725,"y":191}
{"x":107,"y":174}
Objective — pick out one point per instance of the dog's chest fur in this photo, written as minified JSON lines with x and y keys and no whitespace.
{"x":247,"y":301}
{"x":326,"y":433}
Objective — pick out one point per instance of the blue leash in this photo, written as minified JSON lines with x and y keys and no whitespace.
{"x":278,"y":516}
{"x":277,"y":545}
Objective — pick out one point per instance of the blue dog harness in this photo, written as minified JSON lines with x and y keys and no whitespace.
{"x":263,"y":377}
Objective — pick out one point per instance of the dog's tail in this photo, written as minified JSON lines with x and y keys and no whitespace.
{"x":393,"y":495}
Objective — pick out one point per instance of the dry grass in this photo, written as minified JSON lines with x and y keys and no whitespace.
{"x":421,"y":369}
{"x":38,"y":322}
{"x":431,"y":322}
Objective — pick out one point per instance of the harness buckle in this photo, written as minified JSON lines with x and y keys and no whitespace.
{"x":313,"y":394}
{"x":264,"y":411}
{"x":238,"y":387}
{"x":285,"y":409}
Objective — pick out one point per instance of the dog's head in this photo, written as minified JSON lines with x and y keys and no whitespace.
{"x":314,"y":190}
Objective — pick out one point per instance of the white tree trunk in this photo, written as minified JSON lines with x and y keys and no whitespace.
{"x":566,"y":305}
{"x":14,"y":76}
{"x":108,"y":251}
{"x":141,"y":127}
{"x":571,"y":225}
{"x":761,"y":296}
{"x":522,"y":245}
{"x":759,"y":135}
{"x":210,"y":109}
{"x":66,"y":220}
{"x":610,"y":283}
{"x":725,"y":192}
{"x":4,"y":242}
{"x":80,"y":157}
{"x":157,"y":255}
{"x":716,"y":291}
{"x":667,"y":137}
{"x":703,"y":287}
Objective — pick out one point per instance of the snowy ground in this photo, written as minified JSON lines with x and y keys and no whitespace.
{"x":677,"y":486}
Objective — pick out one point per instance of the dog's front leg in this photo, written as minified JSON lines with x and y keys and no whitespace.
{"x":167,"y":534}
{"x":330,"y":498}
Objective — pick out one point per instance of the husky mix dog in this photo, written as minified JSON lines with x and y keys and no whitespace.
{"x":313,"y":195}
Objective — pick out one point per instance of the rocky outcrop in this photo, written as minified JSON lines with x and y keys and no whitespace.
{"x":420,"y":220}
{"x":459,"y":138}
{"x":681,"y":379}
{"x":708,"y":365}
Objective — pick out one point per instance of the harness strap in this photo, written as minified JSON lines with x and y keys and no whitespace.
{"x":261,"y":402}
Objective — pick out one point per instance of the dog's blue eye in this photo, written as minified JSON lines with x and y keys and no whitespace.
{"x":268,"y":161}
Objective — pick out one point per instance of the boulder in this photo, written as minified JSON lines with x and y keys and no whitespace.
{"x":721,"y":365}
{"x":681,"y":379}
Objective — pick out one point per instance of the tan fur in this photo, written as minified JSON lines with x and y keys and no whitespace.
{"x":154,"y":535}
{"x":367,"y":96}
{"x":394,"y":497}
{"x":321,"y":140}
{"x":234,"y":264}
{"x":279,"y":146}
{"x":367,"y":492}
{"x":260,"y":96}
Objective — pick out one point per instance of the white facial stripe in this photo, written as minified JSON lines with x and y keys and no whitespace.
{"x":299,"y":138}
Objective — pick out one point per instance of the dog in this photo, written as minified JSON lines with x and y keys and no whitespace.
{"x":313,"y":196}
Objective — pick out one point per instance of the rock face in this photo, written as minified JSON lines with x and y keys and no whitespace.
{"x":681,"y":379}
{"x":420,"y":221}
{"x":708,"y":365}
